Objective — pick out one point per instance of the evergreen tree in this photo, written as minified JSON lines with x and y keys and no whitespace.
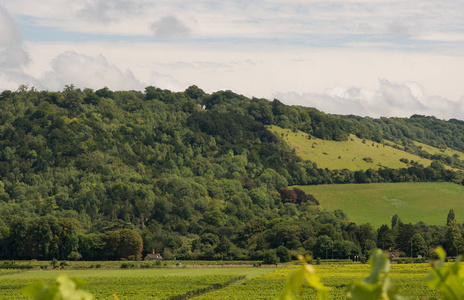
{"x":451,"y":217}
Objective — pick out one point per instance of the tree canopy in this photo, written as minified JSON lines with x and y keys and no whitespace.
{"x":189,"y":174}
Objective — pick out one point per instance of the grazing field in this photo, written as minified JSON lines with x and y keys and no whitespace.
{"x":445,"y":151}
{"x":376,"y":203}
{"x":354,"y":154}
{"x":216,"y":283}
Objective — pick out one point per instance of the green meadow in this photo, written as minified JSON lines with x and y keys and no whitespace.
{"x":354,"y":154}
{"x":376,"y":203}
{"x":446,"y":151}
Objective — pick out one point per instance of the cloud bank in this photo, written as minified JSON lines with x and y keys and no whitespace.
{"x":13,"y":54}
{"x":389,"y":100}
{"x":88,"y":72}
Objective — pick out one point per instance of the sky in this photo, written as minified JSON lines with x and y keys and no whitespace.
{"x":364,"y":57}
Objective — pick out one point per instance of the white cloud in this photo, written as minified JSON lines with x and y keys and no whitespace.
{"x":170,"y":27}
{"x":9,"y":33}
{"x":166,"y":82}
{"x":248,"y":19}
{"x":441,"y":36}
{"x":388,"y":100}
{"x":109,"y":11}
{"x":88,"y":72}
{"x":12,"y":52}
{"x":13,"y":55}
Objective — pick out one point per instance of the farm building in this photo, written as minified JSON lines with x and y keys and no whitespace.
{"x":153,"y":256}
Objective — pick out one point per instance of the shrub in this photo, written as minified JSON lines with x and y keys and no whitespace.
{"x":54,"y":263}
{"x":283,"y":254}
{"x":74,"y":255}
{"x":368,"y":159}
{"x":270,"y":258}
{"x":363,"y":259}
{"x":64,"y":264}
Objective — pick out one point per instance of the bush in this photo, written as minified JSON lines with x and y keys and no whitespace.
{"x":64,"y":264}
{"x":54,"y":263}
{"x":124,"y":266}
{"x":270,"y":258}
{"x":368,"y":159}
{"x":283,"y":254}
{"x":74,"y":255}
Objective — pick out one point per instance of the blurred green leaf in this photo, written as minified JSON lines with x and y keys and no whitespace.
{"x":65,"y":288}
{"x":374,"y":286}
{"x":304,"y":275}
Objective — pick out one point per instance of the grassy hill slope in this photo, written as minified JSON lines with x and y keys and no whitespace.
{"x":377,"y":203}
{"x":354,"y":154}
{"x":446,"y":151}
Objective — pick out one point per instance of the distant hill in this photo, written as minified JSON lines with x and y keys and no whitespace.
{"x":196,"y":175}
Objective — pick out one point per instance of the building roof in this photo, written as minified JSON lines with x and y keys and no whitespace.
{"x":153,"y":256}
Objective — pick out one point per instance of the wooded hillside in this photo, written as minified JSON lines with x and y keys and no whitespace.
{"x":196,"y":175}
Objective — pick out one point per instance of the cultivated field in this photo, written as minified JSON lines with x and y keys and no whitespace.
{"x":160,"y":283}
{"x":411,"y":279}
{"x":376,"y":203}
{"x":215,"y":283}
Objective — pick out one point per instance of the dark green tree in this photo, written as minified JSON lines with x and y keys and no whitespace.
{"x":270,"y":257}
{"x":283,"y":254}
{"x":419,"y":246}
{"x":323,"y":247}
{"x":451,"y":217}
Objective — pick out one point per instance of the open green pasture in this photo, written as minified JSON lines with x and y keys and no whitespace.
{"x":376,"y":203}
{"x":354,"y":154}
{"x":445,"y":151}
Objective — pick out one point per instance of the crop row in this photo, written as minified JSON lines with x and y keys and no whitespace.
{"x":410,"y":279}
{"x":169,"y":287}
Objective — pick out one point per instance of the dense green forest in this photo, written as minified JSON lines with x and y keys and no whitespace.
{"x":84,"y":174}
